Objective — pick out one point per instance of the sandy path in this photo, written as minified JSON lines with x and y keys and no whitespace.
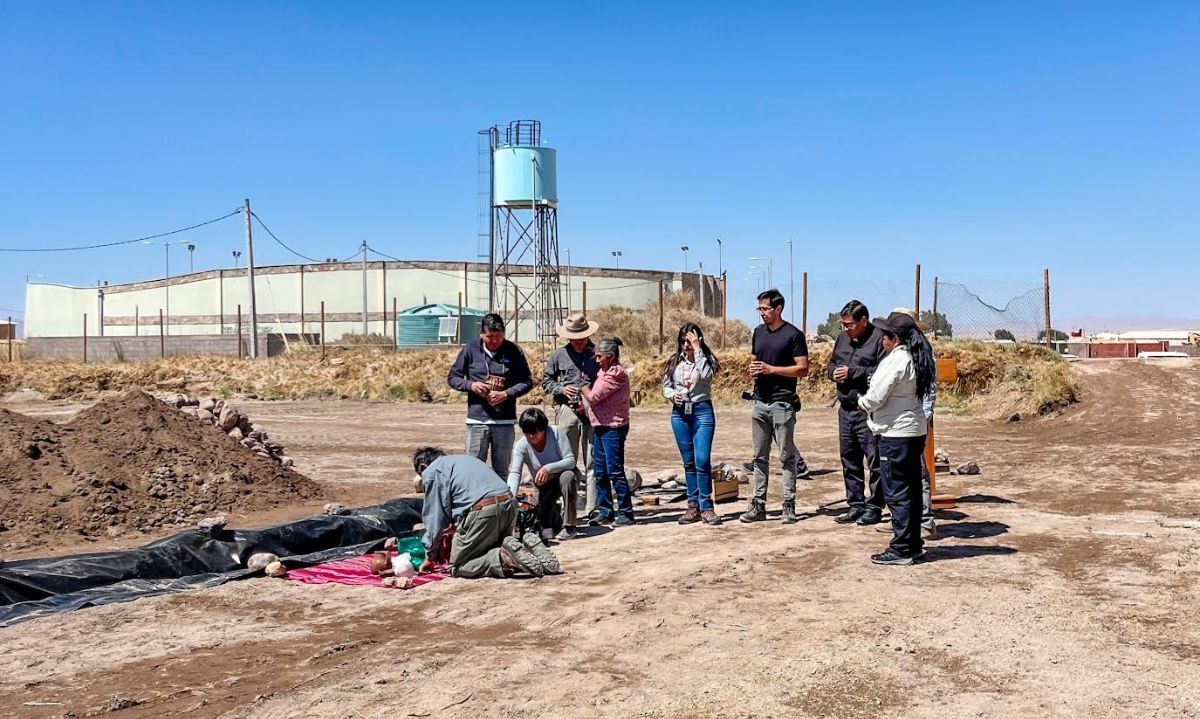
{"x":1065,"y":587}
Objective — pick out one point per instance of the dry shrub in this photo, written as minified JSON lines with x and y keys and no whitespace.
{"x":638,"y":329}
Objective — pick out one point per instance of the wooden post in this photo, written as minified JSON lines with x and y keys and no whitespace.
{"x":1046,"y":303}
{"x":804,"y":303}
{"x":85,"y":338}
{"x":322,"y":329}
{"x":585,"y":298}
{"x":239,"y":332}
{"x":162,"y":338}
{"x":396,"y":328}
{"x":662,"y":294}
{"x":917,"y":292}
{"x":12,"y":330}
{"x":458,"y":324}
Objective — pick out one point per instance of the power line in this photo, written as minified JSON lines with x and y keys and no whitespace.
{"x":15,"y":312}
{"x":281,"y":243}
{"x":238,"y":211}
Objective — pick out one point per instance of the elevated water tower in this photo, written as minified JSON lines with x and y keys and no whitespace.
{"x":525,"y":282}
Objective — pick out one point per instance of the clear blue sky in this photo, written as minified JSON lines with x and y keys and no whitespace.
{"x":985,"y":140}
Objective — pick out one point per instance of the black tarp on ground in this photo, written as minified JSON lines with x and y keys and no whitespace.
{"x":190,"y":560}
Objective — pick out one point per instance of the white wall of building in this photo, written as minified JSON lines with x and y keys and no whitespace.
{"x":207,"y":302}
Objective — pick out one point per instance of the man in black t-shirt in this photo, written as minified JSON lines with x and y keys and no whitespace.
{"x":780,"y":357}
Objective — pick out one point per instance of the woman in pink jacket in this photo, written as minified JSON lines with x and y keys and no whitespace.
{"x":608,"y":409}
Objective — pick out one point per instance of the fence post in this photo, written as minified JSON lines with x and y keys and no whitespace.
{"x":12,"y":330}
{"x":661,"y":316}
{"x":137,"y":321}
{"x":724,"y":308}
{"x":162,"y":338}
{"x":458,"y":324}
{"x":85,"y":338}
{"x":935,"y":310}
{"x":322,"y":329}
{"x":1046,"y":303}
{"x":302,"y":304}
{"x":917,"y":292}
{"x":804,"y":303}
{"x":585,"y":298}
{"x":239,"y":332}
{"x":396,"y":327}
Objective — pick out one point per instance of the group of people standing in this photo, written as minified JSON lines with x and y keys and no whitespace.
{"x":886,"y":383}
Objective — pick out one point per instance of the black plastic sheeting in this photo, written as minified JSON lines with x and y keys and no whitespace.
{"x":191,"y":560}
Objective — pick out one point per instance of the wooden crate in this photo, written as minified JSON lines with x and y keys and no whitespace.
{"x":725,"y":490}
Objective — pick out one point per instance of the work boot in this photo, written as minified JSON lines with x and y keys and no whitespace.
{"x":929,"y":533}
{"x":802,"y":471}
{"x":692,"y":515}
{"x":710,"y":517}
{"x":623,"y":520}
{"x":869,"y":517}
{"x":542,"y":552}
{"x":789,"y":512}
{"x":519,"y":558}
{"x":756,"y":513}
{"x":851,"y":516}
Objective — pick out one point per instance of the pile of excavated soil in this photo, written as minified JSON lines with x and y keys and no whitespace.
{"x":128,"y":464}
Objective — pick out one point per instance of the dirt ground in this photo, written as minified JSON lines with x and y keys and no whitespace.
{"x":1065,"y":585}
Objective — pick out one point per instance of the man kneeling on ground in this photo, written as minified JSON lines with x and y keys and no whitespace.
{"x":463,"y":491}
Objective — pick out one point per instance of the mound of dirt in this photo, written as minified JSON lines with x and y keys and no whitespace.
{"x":130,"y":463}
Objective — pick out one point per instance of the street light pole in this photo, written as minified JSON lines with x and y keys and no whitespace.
{"x":685,"y":264}
{"x":791,"y":284}
{"x":617,"y":258}
{"x":191,"y":258}
{"x":166,"y":281}
{"x":720,"y":260}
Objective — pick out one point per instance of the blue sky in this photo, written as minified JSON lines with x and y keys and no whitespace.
{"x":985,"y":141}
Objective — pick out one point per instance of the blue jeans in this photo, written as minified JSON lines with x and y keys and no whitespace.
{"x":900,"y":474}
{"x":694,"y":435}
{"x":608,"y":465}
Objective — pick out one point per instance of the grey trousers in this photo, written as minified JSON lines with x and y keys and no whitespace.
{"x":498,"y":438}
{"x":565,"y":485}
{"x":475,"y":548}
{"x":774,"y":423}
{"x":926,"y":496}
{"x":579,"y":434}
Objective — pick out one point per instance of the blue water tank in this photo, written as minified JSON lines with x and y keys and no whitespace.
{"x":420,"y":326}
{"x":524,"y":175}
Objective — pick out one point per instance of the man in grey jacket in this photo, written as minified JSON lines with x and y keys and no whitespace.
{"x":464,"y":492}
{"x":569,"y":369}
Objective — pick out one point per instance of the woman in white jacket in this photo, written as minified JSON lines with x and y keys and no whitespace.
{"x":896,"y":416}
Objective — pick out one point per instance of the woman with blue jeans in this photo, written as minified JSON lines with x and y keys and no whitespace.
{"x":607,"y":400}
{"x":687,"y":382}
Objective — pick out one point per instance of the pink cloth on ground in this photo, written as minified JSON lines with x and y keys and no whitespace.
{"x":356,"y":571}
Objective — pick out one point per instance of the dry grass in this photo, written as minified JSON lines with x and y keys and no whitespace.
{"x":993,"y":379}
{"x":18,"y":351}
{"x":638,"y":329}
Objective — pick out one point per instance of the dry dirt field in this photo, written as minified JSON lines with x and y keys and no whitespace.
{"x":1066,"y":584}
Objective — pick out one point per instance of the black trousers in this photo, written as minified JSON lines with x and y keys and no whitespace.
{"x":900,"y":469}
{"x":859,"y":455}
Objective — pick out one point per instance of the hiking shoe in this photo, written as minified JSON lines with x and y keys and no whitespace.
{"x":930,"y":533}
{"x":710,"y":517}
{"x":623,"y":521}
{"x":850,"y":517}
{"x":869,"y":517}
{"x":542,"y":552}
{"x":756,"y":513}
{"x":749,"y":466}
{"x":801,"y":468}
{"x":517,"y":557}
{"x":568,"y":532}
{"x":789,"y":512}
{"x":691,"y":516}
{"x":891,"y":556}
{"x":600,"y":520}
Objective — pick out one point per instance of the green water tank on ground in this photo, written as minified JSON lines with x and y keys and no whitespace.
{"x":422,"y":326}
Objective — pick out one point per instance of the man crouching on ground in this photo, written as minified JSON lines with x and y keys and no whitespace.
{"x":463,"y":491}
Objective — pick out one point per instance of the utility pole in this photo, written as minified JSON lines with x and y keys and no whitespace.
{"x":701,"y":289}
{"x":364,"y":284}
{"x":250,"y":280}
{"x":791,"y":285}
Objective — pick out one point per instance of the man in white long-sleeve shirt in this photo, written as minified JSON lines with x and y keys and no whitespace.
{"x":546,"y":451}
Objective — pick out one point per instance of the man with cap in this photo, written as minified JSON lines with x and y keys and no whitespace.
{"x":569,"y":369}
{"x":464,"y":492}
{"x":493,"y":373}
{"x":856,"y":354}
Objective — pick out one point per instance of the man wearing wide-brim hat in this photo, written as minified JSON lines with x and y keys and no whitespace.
{"x":568,"y":370}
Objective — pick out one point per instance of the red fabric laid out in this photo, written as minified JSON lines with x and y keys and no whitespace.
{"x":356,"y":571}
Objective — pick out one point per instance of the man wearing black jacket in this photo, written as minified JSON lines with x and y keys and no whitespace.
{"x":856,"y":354}
{"x":494,"y":373}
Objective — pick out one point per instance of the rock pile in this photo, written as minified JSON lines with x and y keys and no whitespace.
{"x":236,"y":424}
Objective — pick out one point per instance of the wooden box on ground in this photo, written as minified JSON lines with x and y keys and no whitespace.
{"x":725,"y":490}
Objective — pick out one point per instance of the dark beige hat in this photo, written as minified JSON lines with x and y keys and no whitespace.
{"x":577,"y":327}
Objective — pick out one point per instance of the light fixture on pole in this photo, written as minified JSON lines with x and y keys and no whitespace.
{"x":720,"y":261}
{"x":685,"y":251}
{"x":236,"y":258}
{"x":191,"y":258}
{"x":617,"y":258}
{"x":167,"y":281}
